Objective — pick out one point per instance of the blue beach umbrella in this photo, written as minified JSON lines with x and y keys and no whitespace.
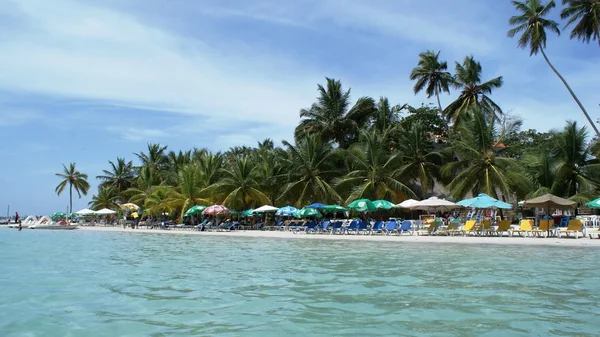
{"x":286,"y":211}
{"x":316,"y":205}
{"x":484,"y":201}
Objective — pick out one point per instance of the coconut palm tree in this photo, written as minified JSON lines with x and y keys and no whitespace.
{"x":474,"y":93}
{"x":157,"y":202}
{"x":431,"y":75}
{"x":311,"y":168}
{"x":541,"y":165}
{"x":191,"y":183}
{"x":419,"y":161}
{"x":480,"y":166}
{"x":155,"y":158}
{"x":210,"y":165}
{"x":75,"y":179}
{"x":373,"y":171}
{"x":386,"y":115}
{"x":532,"y":23}
{"x":240,"y":185}
{"x":175,"y":161}
{"x":270,"y":164}
{"x":120,"y":176}
{"x":332,"y":117}
{"x":588,"y":14}
{"x":105,"y":198}
{"x":143,"y":186}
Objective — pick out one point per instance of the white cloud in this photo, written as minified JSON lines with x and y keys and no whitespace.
{"x":138,"y":133}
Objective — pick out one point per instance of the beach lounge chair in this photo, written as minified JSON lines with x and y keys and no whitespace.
{"x":337,"y":227}
{"x":352,"y":227}
{"x":546,"y":225}
{"x":469,"y":227}
{"x":525,"y":226}
{"x":574,"y":227}
{"x":305,"y":227}
{"x":405,"y":227}
{"x":592,"y":232}
{"x":483,"y":227}
{"x":377,"y":227}
{"x":503,"y":226}
{"x":429,"y":230}
{"x":320,"y":228}
{"x":363,"y":227}
{"x":453,"y":228}
{"x":390,"y":227}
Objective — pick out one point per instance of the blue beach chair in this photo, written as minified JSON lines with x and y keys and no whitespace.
{"x":405,"y":227}
{"x":390,"y":227}
{"x":352,"y":227}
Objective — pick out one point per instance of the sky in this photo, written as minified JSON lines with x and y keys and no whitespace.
{"x":88,"y":81}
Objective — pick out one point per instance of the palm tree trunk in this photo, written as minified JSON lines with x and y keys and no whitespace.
{"x":70,"y":198}
{"x":437,"y":96}
{"x":571,"y":92}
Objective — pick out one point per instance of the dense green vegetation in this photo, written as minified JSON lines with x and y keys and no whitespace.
{"x":344,"y":149}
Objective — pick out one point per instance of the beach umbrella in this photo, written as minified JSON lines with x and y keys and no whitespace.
{"x":594,"y":203}
{"x":265,"y":209}
{"x":316,"y":205}
{"x":307,"y":212}
{"x":333,"y":208}
{"x":130,"y":207}
{"x":383,"y":204}
{"x":215,"y":210}
{"x":85,"y":211}
{"x":105,"y":211}
{"x":195,"y":210}
{"x":73,"y":215}
{"x":362,"y":205}
{"x":58,"y":215}
{"x":435,"y":204}
{"x":247,"y":212}
{"x":550,"y":201}
{"x":286,"y":211}
{"x":484,"y":201}
{"x":407,"y":203}
{"x":232,"y":212}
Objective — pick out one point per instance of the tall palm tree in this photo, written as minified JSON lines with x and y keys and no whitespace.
{"x":75,"y":179}
{"x":157,"y":202}
{"x":588,"y":14}
{"x":431,"y":75}
{"x":474,"y":93}
{"x":332,"y":117}
{"x":155,"y":158}
{"x":175,"y":161}
{"x":373,"y":172}
{"x":311,"y":168}
{"x":541,"y":165}
{"x":532,"y":23}
{"x":419,"y":161}
{"x":577,"y":171}
{"x":105,"y":198}
{"x":210,"y":165}
{"x":239,"y":185}
{"x":270,"y":164}
{"x":480,"y":166}
{"x":191,"y":184}
{"x":120,"y":176}
{"x":386,"y":115}
{"x":143,"y":186}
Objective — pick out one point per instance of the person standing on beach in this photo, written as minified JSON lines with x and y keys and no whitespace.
{"x":20,"y":227}
{"x":16,"y":217}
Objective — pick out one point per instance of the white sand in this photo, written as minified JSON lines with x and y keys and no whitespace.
{"x":567,"y":242}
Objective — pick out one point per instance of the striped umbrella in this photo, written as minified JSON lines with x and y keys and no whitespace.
{"x":215,"y":210}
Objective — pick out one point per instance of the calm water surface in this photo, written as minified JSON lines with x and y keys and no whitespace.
{"x":79,"y":283}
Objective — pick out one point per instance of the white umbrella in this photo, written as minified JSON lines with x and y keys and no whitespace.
{"x":85,"y":211}
{"x":408,"y":203}
{"x":435,"y":204}
{"x":265,"y":209}
{"x":105,"y":211}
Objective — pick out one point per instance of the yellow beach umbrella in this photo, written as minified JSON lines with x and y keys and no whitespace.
{"x":130,"y":207}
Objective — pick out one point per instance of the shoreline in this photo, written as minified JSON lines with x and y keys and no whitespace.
{"x":477,"y":240}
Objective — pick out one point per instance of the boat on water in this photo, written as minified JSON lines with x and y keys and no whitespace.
{"x":46,"y":222}
{"x":30,"y":220}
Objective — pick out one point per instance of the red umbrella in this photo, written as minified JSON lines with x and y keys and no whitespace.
{"x":215,"y":209}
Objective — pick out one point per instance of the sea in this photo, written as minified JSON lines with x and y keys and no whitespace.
{"x":85,"y":283}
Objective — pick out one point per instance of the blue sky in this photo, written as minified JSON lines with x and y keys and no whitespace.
{"x":89,"y":81}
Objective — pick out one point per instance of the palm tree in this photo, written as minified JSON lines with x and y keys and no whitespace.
{"x":175,"y":161}
{"x":240,"y":185}
{"x":76,"y":180}
{"x":210,"y":165}
{"x":474,"y":94}
{"x":157,"y":202}
{"x":144,"y":185}
{"x":577,"y":170}
{"x":155,"y":158}
{"x":432,"y":76}
{"x":420,"y":162}
{"x":588,"y":14}
{"x":191,"y":183}
{"x":332,"y":117}
{"x":532,"y":23}
{"x":480,"y":166}
{"x":105,"y":198}
{"x":311,"y":167}
{"x":120,"y":176}
{"x":270,"y":164}
{"x":386,"y":115}
{"x":541,"y":165}
{"x":373,"y":172}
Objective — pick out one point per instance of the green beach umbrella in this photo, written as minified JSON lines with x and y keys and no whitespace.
{"x":58,"y":214}
{"x":195,"y":210}
{"x":73,"y":215}
{"x":383,"y":204}
{"x":333,"y":208}
{"x":235,"y":212}
{"x":307,"y":212}
{"x":362,"y":205}
{"x":594,"y":203}
{"x":248,"y":212}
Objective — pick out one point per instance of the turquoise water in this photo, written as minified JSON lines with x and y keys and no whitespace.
{"x":79,"y":283}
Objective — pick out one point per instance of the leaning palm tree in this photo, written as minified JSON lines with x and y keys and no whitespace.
{"x":474,"y":94}
{"x":120,"y":176}
{"x":311,"y":167}
{"x":531,"y":22}
{"x":419,"y":161}
{"x":76,"y":180}
{"x":332,"y":117}
{"x":480,"y":166}
{"x":240,"y":185}
{"x":105,"y":198}
{"x":373,"y":171}
{"x":431,"y":75}
{"x":588,"y":14}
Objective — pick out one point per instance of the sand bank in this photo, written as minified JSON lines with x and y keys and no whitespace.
{"x":566,"y":242}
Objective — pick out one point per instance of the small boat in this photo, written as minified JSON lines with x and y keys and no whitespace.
{"x":30,"y":220}
{"x":47,"y":223}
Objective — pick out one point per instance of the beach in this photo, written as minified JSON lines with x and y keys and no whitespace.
{"x":475,"y":240}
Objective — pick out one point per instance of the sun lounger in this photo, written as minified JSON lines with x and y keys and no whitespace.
{"x":544,"y":227}
{"x":337,"y":227}
{"x":363,"y":227}
{"x":503,"y":226}
{"x":377,"y":227}
{"x":525,"y":227}
{"x":390,"y":227}
{"x":592,"y":232}
{"x":483,"y":227}
{"x":306,"y":227}
{"x":469,"y":227}
{"x":574,"y":227}
{"x":405,"y":227}
{"x":429,"y":230}
{"x":352,"y":227}
{"x":320,"y":227}
{"x":452,"y":229}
